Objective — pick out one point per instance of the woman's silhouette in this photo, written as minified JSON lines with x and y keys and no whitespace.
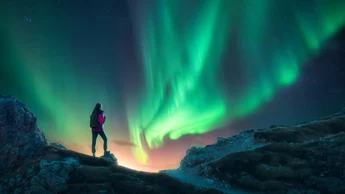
{"x":96,"y":123}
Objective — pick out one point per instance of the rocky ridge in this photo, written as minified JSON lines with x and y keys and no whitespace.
{"x":303,"y":158}
{"x":30,"y":164}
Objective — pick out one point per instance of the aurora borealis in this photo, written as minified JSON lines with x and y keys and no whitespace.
{"x":165,"y":70}
{"x":183,"y":45}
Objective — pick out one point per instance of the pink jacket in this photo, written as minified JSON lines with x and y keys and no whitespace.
{"x":101,"y":120}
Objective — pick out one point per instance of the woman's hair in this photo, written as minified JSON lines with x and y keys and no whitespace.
{"x":97,"y":109}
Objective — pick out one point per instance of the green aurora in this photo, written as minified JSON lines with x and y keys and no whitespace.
{"x":182,"y":47}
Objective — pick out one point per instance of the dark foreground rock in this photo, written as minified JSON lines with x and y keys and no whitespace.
{"x":31,"y":165}
{"x":20,"y":137}
{"x":59,"y":170}
{"x":308,"y":158}
{"x":110,"y":157}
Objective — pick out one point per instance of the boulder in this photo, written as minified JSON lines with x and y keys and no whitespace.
{"x":110,"y":157}
{"x":53,"y":176}
{"x":20,"y":136}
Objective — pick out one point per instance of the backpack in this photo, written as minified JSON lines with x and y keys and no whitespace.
{"x":94,"y":121}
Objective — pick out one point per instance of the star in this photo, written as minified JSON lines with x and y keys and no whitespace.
{"x":27,"y":19}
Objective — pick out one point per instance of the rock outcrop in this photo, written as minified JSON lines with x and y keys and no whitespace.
{"x":308,"y":158}
{"x":197,"y":156}
{"x":20,"y":137}
{"x":110,"y":157}
{"x":50,"y":177}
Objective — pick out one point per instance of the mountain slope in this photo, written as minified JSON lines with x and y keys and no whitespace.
{"x":304,"y":158}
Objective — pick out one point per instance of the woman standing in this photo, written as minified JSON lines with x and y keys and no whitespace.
{"x":97,"y":120}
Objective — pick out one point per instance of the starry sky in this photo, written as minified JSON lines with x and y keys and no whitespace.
{"x":170,"y":73}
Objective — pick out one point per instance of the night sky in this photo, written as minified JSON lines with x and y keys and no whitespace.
{"x":171,"y":73}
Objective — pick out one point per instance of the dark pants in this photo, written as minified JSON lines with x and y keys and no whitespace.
{"x":94,"y":138}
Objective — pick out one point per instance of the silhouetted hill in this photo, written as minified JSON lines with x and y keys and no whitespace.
{"x":30,"y":164}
